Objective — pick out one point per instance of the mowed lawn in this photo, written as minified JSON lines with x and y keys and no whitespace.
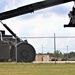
{"x":36,"y":69}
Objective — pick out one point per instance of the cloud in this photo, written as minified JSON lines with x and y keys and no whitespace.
{"x":12,"y":4}
{"x":41,"y":23}
{"x":3,"y":3}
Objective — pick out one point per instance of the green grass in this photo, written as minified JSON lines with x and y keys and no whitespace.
{"x":36,"y":69}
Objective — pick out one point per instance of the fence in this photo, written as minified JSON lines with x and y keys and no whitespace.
{"x":46,"y":45}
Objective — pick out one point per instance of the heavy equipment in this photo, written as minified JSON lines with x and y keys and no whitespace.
{"x":25,"y":52}
{"x":15,"y":49}
{"x":37,"y":6}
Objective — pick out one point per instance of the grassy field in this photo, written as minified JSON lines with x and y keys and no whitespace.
{"x":36,"y":69}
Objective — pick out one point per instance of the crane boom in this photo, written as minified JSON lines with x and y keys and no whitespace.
{"x":18,"y":39}
{"x":31,"y":8}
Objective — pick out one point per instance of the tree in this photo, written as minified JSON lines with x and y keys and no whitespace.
{"x":71,"y":54}
{"x":58,"y":54}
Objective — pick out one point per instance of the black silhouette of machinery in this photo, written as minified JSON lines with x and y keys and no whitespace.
{"x":15,"y":49}
{"x":37,"y":6}
{"x":25,"y":51}
{"x":72,"y":18}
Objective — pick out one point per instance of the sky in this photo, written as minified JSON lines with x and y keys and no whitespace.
{"x":41,"y":23}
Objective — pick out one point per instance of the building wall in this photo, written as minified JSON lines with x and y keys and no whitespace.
{"x":42,"y":57}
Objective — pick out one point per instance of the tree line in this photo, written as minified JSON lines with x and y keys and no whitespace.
{"x":64,"y":56}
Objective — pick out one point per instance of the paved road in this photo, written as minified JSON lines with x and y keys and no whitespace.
{"x":54,"y":62}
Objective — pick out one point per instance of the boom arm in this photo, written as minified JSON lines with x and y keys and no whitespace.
{"x":18,"y":39}
{"x":31,"y":8}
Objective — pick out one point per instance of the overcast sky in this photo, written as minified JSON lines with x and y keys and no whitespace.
{"x":41,"y":23}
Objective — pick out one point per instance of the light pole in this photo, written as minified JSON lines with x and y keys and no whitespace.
{"x":42,"y":52}
{"x":67,"y":53}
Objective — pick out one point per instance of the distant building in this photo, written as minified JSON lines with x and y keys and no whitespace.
{"x":42,"y":57}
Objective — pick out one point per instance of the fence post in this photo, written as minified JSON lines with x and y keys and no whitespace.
{"x":16,"y":49}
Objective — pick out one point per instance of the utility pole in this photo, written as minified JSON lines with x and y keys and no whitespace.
{"x":55,"y":48}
